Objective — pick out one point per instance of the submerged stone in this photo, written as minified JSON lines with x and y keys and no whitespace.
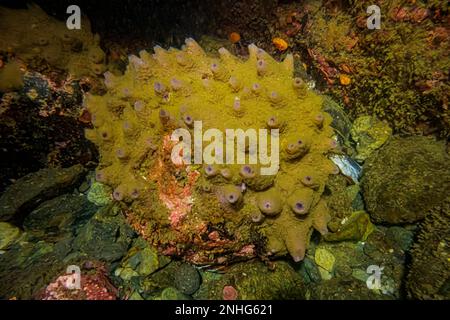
{"x":405,"y":179}
{"x":357,"y":227}
{"x":370,"y":134}
{"x":8,"y":235}
{"x":187,"y":279}
{"x":59,"y":217}
{"x":31,"y":190}
{"x":99,"y":194}
{"x":107,"y":236}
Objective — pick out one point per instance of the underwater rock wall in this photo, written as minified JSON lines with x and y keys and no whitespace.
{"x":213,"y":212}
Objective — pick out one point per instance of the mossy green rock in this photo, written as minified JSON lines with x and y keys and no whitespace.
{"x":8,"y":234}
{"x":370,"y":134}
{"x":357,"y":227}
{"x":309,"y":271}
{"x":405,"y":179}
{"x":173,"y":294}
{"x":107,"y":236}
{"x":255,"y":281}
{"x":31,"y":190}
{"x":141,"y":260}
{"x":187,"y":279}
{"x":429,"y":275}
{"x":59,"y":217}
{"x":99,"y":194}
{"x":27,"y":268}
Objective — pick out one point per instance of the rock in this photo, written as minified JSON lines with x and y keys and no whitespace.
{"x":59,"y":216}
{"x":429,"y":275}
{"x":400,"y":238}
{"x":107,"y":236}
{"x":404,"y":179}
{"x":173,"y":294}
{"x":31,"y":190}
{"x":360,"y":275}
{"x":187,"y":279}
{"x":135,"y":296}
{"x":370,"y":134}
{"x":325,"y":260}
{"x":126,"y":274}
{"x":357,"y":227}
{"x":254,"y":281}
{"x":27,"y":268}
{"x":344,"y":289}
{"x":351,"y":262}
{"x":8,"y":234}
{"x":141,"y":260}
{"x":99,"y":194}
{"x":309,"y":271}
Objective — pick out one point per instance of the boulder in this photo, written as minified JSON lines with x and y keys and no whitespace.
{"x":28,"y":192}
{"x":405,"y":179}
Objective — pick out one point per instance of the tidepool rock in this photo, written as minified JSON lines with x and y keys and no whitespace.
{"x":370,"y":134}
{"x":27,"y":268}
{"x":173,"y":294}
{"x":309,"y":271}
{"x":400,"y":238}
{"x":106,"y":237}
{"x":8,"y":234}
{"x":344,"y":289}
{"x":31,"y":190}
{"x":325,"y":260}
{"x":255,"y":281}
{"x":356,"y":227}
{"x":187,"y":279}
{"x":429,"y":275}
{"x":405,"y":179}
{"x":59,"y":216}
{"x":99,"y":194}
{"x":141,"y":260}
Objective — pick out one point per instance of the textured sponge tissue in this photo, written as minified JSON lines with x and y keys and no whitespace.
{"x":213,"y":213}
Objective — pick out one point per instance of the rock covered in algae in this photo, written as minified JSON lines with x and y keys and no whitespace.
{"x":35,"y":37}
{"x":214,"y":212}
{"x":370,"y":134}
{"x":252,"y":280}
{"x":429,"y":276}
{"x":31,"y":190}
{"x":8,"y":234}
{"x":405,"y":179}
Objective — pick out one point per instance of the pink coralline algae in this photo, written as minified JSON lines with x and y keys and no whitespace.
{"x":229,"y":293}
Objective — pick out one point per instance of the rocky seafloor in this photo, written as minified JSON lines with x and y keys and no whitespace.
{"x":389,"y":208}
